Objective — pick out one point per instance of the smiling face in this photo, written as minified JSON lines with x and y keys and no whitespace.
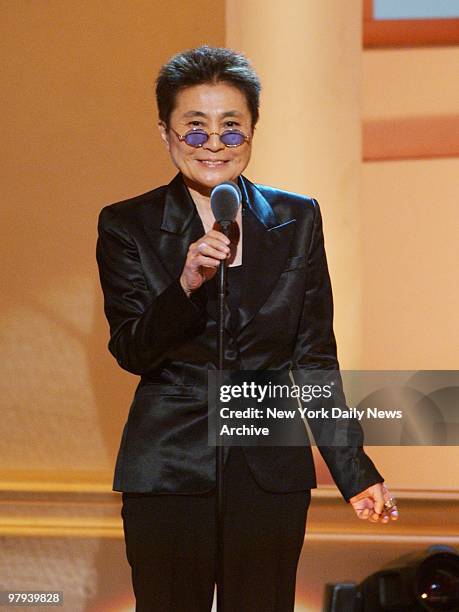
{"x":214,"y":108}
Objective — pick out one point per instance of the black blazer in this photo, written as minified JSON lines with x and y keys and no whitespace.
{"x":157,"y":332}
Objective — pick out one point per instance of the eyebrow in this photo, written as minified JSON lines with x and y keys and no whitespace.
{"x":196,"y":113}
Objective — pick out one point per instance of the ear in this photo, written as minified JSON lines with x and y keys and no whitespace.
{"x":163,"y":133}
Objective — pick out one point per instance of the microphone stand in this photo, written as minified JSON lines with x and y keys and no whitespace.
{"x":219,"y":455}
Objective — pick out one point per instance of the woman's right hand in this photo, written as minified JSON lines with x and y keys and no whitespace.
{"x":202,"y":260}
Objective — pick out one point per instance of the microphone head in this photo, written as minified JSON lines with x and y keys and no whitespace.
{"x":225,"y":200}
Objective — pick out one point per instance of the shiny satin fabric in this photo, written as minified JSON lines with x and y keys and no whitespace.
{"x":285,"y":322}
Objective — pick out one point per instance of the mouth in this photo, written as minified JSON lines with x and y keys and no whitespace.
{"x":212,"y":163}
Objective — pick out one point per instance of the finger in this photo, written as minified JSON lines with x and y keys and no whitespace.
{"x":216,"y":234}
{"x":217,"y":237}
{"x":378,"y":496}
{"x":218,"y":241}
{"x":203,"y":261}
{"x":388,"y":515}
{"x":208,"y":241}
{"x":392,"y":512}
{"x":210,"y":251}
{"x":386,"y":493}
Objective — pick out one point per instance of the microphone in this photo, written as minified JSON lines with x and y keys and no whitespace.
{"x":225,"y":200}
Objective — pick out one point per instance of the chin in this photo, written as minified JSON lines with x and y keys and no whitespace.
{"x":215,"y":177}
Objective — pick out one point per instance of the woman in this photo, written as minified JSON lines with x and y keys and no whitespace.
{"x":157,"y":255}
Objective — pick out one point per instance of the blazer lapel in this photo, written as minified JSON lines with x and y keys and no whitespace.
{"x":181,"y":225}
{"x":265,"y":248}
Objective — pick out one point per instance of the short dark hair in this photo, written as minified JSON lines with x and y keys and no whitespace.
{"x":206,"y":65}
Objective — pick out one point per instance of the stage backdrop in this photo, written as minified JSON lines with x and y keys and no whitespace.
{"x":79,"y":131}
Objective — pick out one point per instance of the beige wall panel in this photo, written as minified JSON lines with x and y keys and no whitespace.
{"x":410,"y":292}
{"x":410,"y":82}
{"x":427,"y":468}
{"x":308,"y":55}
{"x":78,"y":132}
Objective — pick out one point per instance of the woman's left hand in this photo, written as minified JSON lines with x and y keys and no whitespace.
{"x":369,"y":504}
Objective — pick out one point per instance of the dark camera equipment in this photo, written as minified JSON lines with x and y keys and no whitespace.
{"x":426,"y":580}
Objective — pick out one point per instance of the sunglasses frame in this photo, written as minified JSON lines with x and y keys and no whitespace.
{"x":209,"y":134}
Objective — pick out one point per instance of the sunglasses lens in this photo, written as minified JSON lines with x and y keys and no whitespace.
{"x":196,"y":138}
{"x":232,"y":139}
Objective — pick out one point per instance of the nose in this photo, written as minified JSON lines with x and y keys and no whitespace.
{"x":213,"y":143}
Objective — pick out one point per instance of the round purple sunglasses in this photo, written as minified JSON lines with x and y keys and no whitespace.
{"x":197,"y":137}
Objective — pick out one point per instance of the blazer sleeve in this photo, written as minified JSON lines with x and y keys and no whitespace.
{"x":315,"y":349}
{"x":143,"y":326}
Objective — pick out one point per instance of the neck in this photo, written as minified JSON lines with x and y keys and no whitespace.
{"x":199,"y":193}
{"x":201,"y":200}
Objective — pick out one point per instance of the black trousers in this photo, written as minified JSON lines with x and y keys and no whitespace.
{"x":170,"y":546}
